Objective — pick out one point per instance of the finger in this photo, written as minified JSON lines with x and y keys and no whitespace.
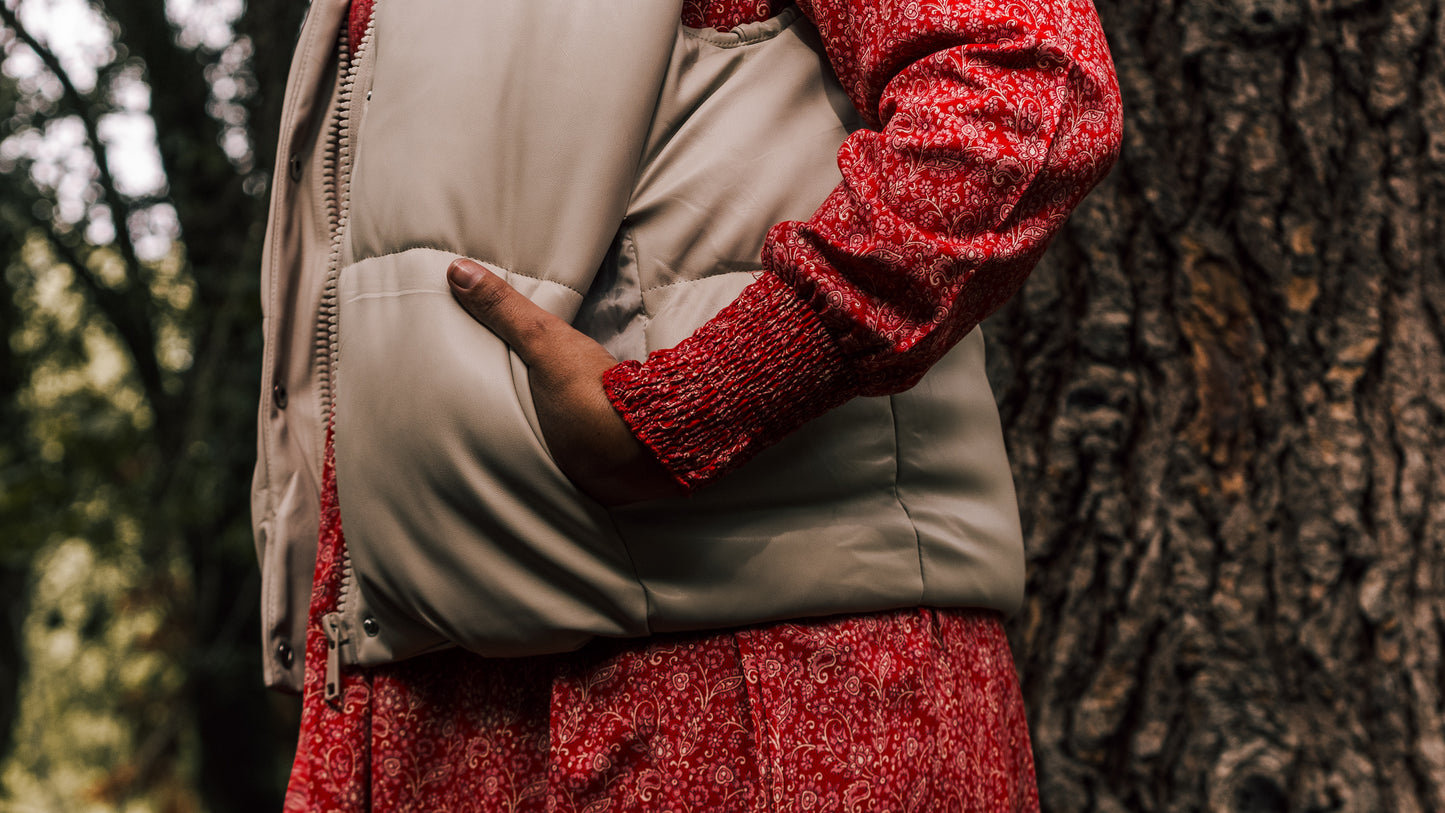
{"x":517,"y":320}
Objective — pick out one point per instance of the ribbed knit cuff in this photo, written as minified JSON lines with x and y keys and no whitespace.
{"x":761,"y":368}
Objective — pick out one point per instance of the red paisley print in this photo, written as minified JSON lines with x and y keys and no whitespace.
{"x":726,"y":14}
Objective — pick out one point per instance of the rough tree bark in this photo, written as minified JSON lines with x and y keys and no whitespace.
{"x":1224,"y":393}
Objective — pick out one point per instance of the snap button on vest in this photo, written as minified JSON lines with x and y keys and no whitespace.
{"x":278,"y":396}
{"x":371,"y":627}
{"x":284,"y":654}
{"x":295,"y":167}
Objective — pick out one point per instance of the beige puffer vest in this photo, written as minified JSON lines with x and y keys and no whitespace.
{"x":622,"y":171}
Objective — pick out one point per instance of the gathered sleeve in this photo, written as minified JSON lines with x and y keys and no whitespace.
{"x":987,"y":122}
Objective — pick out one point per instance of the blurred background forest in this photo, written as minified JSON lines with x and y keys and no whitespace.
{"x":136,"y":140}
{"x":1224,"y":389}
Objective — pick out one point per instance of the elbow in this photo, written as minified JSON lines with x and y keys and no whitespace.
{"x":1107,"y":108}
{"x":1097,"y":121}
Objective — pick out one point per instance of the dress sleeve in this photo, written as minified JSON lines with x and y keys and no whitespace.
{"x":988,"y":121}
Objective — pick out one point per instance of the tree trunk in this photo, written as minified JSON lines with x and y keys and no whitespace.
{"x":1223,"y":391}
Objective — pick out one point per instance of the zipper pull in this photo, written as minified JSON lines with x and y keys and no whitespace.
{"x":331,"y":626}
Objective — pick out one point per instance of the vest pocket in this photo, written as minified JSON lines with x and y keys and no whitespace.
{"x":457,"y":520}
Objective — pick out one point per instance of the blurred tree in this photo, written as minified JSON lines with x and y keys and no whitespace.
{"x":1223,"y":393}
{"x":129,"y":373}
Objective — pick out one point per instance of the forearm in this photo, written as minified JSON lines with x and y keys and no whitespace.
{"x":990,"y":130}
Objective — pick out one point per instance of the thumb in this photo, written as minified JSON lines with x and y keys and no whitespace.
{"x":517,"y":320}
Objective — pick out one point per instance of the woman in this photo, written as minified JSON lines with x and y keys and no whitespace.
{"x":480,"y":208}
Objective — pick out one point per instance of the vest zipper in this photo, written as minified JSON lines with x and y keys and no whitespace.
{"x":336,"y":183}
{"x":336,"y":177}
{"x":336,"y":638}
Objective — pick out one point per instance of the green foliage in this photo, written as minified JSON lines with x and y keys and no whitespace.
{"x":128,"y":370}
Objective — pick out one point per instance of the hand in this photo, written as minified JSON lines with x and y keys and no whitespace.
{"x":590,"y":442}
